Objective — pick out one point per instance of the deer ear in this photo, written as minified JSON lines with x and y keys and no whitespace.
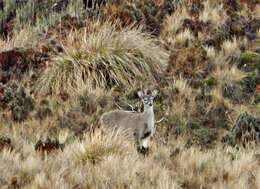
{"x":155,"y":92}
{"x":140,"y":94}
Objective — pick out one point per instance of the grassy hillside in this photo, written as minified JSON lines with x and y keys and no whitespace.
{"x":63,"y":63}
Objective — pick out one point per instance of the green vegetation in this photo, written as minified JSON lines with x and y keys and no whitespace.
{"x":250,"y":56}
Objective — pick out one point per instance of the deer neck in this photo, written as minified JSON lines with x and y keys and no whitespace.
{"x":148,"y":111}
{"x":149,"y":115}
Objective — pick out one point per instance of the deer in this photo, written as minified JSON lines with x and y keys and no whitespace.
{"x":142,"y":124}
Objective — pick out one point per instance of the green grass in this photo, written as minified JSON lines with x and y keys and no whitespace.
{"x":250,"y":56}
{"x":25,"y":14}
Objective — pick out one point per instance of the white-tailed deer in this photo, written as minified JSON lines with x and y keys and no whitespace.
{"x":142,"y":124}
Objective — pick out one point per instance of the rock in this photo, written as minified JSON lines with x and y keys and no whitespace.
{"x":48,"y":145}
{"x":186,"y":62}
{"x":5,"y":143}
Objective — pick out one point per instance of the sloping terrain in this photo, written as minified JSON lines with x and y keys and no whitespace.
{"x":63,"y":63}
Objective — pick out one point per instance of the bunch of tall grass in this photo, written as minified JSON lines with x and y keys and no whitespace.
{"x":103,"y":55}
{"x":5,"y":14}
{"x":25,"y":14}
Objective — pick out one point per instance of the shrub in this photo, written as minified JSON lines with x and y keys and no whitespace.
{"x":102,"y":56}
{"x":100,"y":146}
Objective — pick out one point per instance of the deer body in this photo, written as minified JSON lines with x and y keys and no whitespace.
{"x":142,"y":124}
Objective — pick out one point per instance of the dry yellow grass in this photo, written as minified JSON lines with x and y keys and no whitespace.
{"x":226,"y":75}
{"x":258,"y":33}
{"x":102,"y":55}
{"x":211,"y":52}
{"x":109,"y":160}
{"x":118,"y":165}
{"x":25,"y":38}
{"x":213,"y":12}
{"x":172,"y":24}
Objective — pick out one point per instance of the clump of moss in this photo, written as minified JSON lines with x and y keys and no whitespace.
{"x":210,"y":81}
{"x":250,"y":56}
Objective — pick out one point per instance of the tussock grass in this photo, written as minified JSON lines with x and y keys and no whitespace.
{"x":227,"y":75}
{"x":181,"y":38}
{"x":9,"y":9}
{"x":174,"y":21}
{"x":182,"y":103}
{"x":172,"y":24}
{"x":25,"y":14}
{"x":220,"y":167}
{"x":101,"y":56}
{"x":104,"y":56}
{"x":76,"y":8}
{"x":211,"y":52}
{"x":231,"y":48}
{"x":257,"y":12}
{"x":95,"y":148}
{"x":43,"y":23}
{"x":183,"y":87}
{"x":258,"y":33}
{"x":26,"y":38}
{"x":213,"y":12}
